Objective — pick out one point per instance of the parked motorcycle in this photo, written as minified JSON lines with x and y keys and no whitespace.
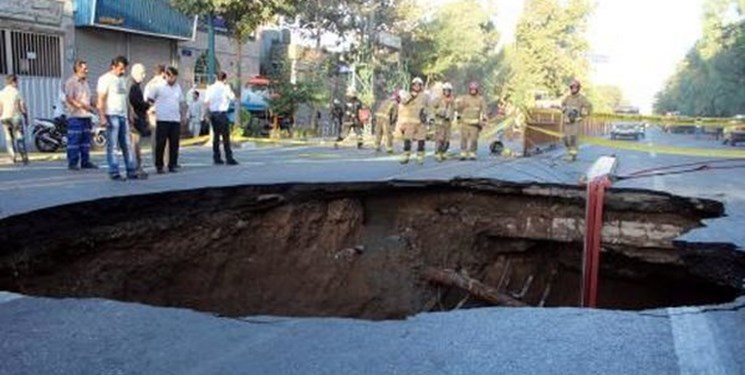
{"x":50,"y":135}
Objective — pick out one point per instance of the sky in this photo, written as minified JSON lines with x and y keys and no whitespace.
{"x":635,"y":44}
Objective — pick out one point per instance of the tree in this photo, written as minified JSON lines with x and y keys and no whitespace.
{"x":550,"y":47}
{"x":242,"y":18}
{"x":609,"y":97}
{"x":709,"y":81}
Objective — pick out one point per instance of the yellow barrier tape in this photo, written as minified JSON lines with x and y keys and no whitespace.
{"x":719,"y":122}
{"x":646,"y":147}
{"x":669,"y":150}
{"x":546,"y":131}
{"x":491,"y":132}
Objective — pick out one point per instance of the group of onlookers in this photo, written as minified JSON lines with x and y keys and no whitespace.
{"x":131,"y":114}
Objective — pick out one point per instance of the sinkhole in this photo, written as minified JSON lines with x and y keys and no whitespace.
{"x":371,"y":250}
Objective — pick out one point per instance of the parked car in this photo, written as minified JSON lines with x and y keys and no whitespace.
{"x":735,"y":132}
{"x":633,"y":130}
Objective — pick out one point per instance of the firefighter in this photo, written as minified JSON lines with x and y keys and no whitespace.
{"x":472,"y":113}
{"x":337,"y":116}
{"x":411,"y":119}
{"x":443,"y":110}
{"x":351,"y":121}
{"x":385,"y":120}
{"x":575,"y":106}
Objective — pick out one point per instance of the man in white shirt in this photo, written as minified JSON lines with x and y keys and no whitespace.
{"x":12,"y":113}
{"x":112,"y":109}
{"x":196,"y":114}
{"x":217,"y":100}
{"x":170,"y":112}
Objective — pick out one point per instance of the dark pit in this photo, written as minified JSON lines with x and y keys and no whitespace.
{"x":365,"y":250}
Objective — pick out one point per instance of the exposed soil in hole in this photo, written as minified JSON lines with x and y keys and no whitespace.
{"x":358,"y":250}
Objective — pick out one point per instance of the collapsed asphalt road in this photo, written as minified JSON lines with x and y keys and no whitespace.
{"x":362,"y":249}
{"x":74,"y":335}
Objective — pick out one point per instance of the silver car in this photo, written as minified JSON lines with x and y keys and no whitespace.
{"x":633,"y":130}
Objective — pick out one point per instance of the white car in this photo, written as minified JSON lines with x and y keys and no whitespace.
{"x":633,"y":130}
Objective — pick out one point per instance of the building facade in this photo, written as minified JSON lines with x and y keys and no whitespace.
{"x":144,"y":31}
{"x":41,"y":39}
{"x":37,"y":44}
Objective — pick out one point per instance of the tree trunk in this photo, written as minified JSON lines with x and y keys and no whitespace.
{"x":474,"y":287}
{"x":239,"y":75}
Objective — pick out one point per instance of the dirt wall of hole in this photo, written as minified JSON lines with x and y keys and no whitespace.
{"x":353,"y":252}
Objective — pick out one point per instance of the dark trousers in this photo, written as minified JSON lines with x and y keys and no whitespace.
{"x":220,"y":129}
{"x":167,"y":132}
{"x":78,"y":141}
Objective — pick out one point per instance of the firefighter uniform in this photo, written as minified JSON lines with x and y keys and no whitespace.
{"x":385,"y":120}
{"x":472,"y":113}
{"x":575,"y":107}
{"x":411,"y":118}
{"x":443,"y":110}
{"x":351,"y":121}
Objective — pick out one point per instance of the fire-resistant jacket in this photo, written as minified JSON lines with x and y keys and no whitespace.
{"x":443,"y":108}
{"x":411,"y":108}
{"x":472,"y":109}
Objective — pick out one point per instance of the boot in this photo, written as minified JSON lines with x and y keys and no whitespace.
{"x":440,"y":157}
{"x":359,"y":145}
{"x":463,"y":155}
{"x":405,"y":157}
{"x":471,"y":155}
{"x":420,"y":157}
{"x":389,"y":150}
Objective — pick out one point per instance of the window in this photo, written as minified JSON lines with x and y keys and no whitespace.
{"x":3,"y":49}
{"x":34,"y":54}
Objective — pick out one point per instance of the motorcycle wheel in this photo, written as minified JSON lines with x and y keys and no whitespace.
{"x":44,"y":143}
{"x":99,"y":139}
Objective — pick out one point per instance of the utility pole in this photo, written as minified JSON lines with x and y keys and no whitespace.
{"x":211,"y":48}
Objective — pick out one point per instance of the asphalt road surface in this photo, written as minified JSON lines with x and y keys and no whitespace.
{"x":93,"y":336}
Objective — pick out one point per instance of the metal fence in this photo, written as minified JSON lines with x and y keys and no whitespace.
{"x":37,"y":61}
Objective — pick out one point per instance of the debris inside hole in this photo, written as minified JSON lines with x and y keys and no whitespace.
{"x":380,"y":250}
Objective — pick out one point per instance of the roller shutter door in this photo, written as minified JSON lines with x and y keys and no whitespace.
{"x":150,"y":51}
{"x":98,"y":47}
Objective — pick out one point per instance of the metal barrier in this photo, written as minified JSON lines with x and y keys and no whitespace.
{"x":544,"y":130}
{"x":541,"y":125}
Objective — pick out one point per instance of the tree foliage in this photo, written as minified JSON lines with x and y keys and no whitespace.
{"x":710,"y":80}
{"x":550,"y":47}
{"x":242,"y":17}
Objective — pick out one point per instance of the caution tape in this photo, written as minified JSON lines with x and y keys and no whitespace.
{"x":546,"y":131}
{"x":669,"y":150}
{"x":491,"y":132}
{"x":646,"y":147}
{"x":717,"y":122}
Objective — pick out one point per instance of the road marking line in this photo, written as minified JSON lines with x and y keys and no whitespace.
{"x":694,"y":342}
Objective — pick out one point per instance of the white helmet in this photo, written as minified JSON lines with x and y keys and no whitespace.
{"x":447,"y":86}
{"x":351,"y":91}
{"x":417,"y":80}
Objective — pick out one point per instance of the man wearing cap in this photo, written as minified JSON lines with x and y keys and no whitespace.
{"x":385,"y":120}
{"x":472,"y":113}
{"x":411,"y":116}
{"x":351,"y":120}
{"x":443,"y":110}
{"x":575,"y":106}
